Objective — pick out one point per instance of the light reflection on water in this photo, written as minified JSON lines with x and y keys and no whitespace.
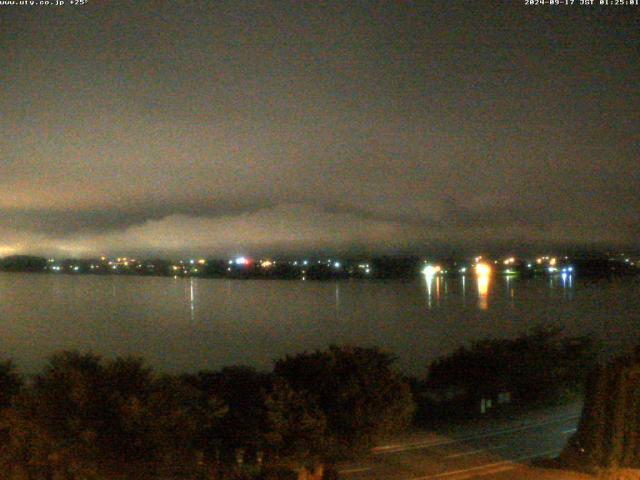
{"x":483,"y":290}
{"x":429,"y":282}
{"x":192,"y":299}
{"x":483,"y":286}
{"x":189,"y":324}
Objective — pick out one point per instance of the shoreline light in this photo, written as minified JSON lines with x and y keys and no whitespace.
{"x":483,"y":269}
{"x":242,"y":261}
{"x":431,"y":270}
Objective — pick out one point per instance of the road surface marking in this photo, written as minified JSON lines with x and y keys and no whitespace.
{"x":479,"y":450}
{"x":502,"y":465}
{"x":417,"y":446}
{"x":354,"y":470}
{"x":493,"y":471}
{"x":462,"y":454}
{"x":571,"y":430}
{"x":486,"y":466}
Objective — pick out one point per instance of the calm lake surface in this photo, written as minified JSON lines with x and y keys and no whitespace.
{"x":191,"y":324}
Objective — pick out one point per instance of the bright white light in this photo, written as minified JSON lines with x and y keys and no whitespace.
{"x":430,"y":270}
{"x":242,"y":261}
{"x":483,"y":269}
{"x":336,"y":264}
{"x":305,"y":262}
{"x":463,"y":270}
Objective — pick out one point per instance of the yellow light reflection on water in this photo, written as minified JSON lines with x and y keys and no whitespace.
{"x":483,"y":279}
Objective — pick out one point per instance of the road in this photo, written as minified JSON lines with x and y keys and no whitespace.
{"x":473,"y":451}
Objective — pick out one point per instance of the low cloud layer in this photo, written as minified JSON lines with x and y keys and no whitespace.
{"x":291,"y":229}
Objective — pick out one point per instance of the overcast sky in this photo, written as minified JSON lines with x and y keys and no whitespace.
{"x":247,"y":127}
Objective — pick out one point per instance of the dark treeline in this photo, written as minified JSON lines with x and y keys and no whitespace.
{"x":86,"y":417}
{"x":23,"y":263}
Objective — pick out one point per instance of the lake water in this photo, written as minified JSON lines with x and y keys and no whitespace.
{"x":189,"y":324}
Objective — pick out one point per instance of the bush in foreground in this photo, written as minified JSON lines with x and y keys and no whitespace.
{"x":361,"y":397}
{"x":10,"y":383}
{"x":84,"y":418}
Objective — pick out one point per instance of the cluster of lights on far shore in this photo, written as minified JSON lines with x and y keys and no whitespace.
{"x":480,"y":266}
{"x":480,"y":269}
{"x":508,"y":266}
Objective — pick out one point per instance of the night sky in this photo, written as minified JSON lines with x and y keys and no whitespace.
{"x":274,"y":127}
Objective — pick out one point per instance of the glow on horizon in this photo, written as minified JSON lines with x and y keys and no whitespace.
{"x":7,"y":250}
